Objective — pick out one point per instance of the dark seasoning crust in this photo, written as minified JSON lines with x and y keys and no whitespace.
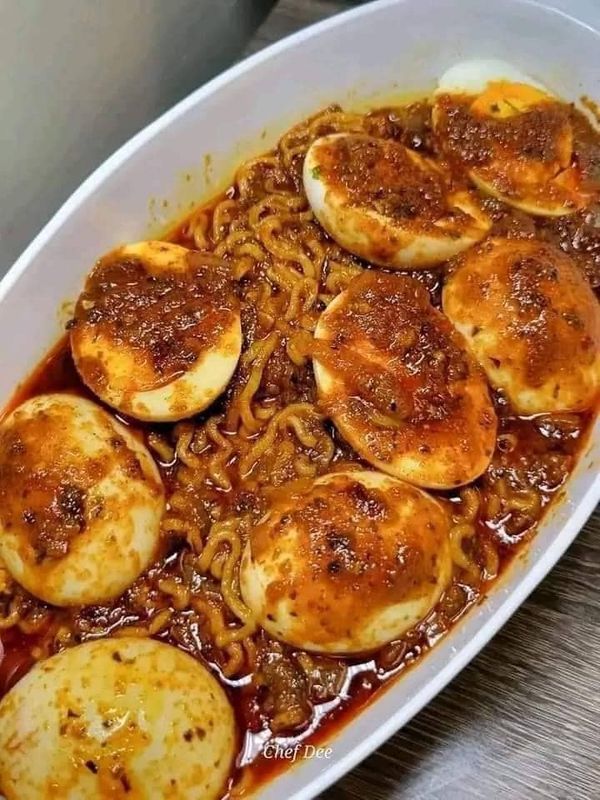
{"x":498,"y":149}
{"x":473,"y":139}
{"x":166,"y":318}
{"x":339,"y":527}
{"x":48,"y":497}
{"x":381,"y":175}
{"x":531,"y":454}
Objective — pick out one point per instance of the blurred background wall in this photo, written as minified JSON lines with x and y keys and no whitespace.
{"x":79,"y":77}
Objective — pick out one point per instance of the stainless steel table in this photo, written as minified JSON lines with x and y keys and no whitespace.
{"x":522,"y":722}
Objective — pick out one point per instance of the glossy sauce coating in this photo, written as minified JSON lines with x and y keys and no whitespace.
{"x":82,"y":501}
{"x":384,"y":176}
{"x":533,"y":322}
{"x":163,"y":319}
{"x":109,"y":715}
{"x":527,"y":156}
{"x":46,"y":497}
{"x":288,"y":690}
{"x":348,"y":562}
{"x":414,"y":403}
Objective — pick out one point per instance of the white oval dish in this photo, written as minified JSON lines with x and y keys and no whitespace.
{"x":386,"y":46}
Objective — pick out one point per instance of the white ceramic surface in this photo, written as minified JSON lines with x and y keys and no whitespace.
{"x":377,"y":49}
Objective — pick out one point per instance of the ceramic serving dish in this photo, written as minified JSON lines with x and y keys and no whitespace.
{"x":386,"y":48}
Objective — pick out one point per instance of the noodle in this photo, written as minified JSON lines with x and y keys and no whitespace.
{"x":464,"y":529}
{"x":162,"y":448}
{"x":270,"y":230}
{"x":257,"y":357}
{"x":155,"y":625}
{"x":227,"y":533}
{"x":290,"y":417}
{"x":217,"y":463}
{"x":179,"y":594}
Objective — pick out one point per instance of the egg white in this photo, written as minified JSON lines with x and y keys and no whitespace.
{"x":116,"y":718}
{"x":294,"y":594}
{"x":383,"y":239}
{"x":57,"y":439}
{"x":460,"y":458}
{"x":532,"y":321}
{"x":474,"y":76}
{"x":186,"y":394}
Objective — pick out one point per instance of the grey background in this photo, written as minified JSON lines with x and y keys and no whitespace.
{"x":79,"y":77}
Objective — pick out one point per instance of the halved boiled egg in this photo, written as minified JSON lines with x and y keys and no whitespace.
{"x":346,"y":563}
{"x":400,"y":385}
{"x":119,"y":718}
{"x":157,"y":331}
{"x":532,"y":321}
{"x":388,"y":204}
{"x":512,"y":135}
{"x":81,"y":501}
